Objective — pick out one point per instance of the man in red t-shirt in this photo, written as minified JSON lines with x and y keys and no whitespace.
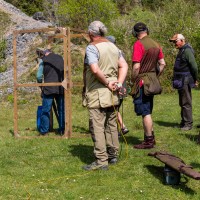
{"x":147,"y":57}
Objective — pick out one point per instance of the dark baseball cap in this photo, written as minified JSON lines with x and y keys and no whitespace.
{"x":46,"y":51}
{"x":139,"y":27}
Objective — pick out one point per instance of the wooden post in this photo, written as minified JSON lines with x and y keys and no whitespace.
{"x":15,"y":83}
{"x":65,"y":77}
{"x":67,"y":83}
{"x":69,"y":93}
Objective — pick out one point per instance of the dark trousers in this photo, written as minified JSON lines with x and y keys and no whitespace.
{"x":185,"y":102}
{"x":47,"y":101}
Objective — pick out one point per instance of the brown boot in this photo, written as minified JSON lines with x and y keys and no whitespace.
{"x":153,"y":137}
{"x":148,"y":143}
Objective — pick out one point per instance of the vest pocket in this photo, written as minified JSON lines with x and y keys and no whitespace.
{"x":107,"y":98}
{"x":178,"y":82}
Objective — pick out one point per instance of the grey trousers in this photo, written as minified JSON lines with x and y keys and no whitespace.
{"x":185,"y":102}
{"x":104,"y":134}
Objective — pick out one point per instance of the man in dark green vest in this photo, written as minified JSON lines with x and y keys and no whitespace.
{"x":185,"y":77}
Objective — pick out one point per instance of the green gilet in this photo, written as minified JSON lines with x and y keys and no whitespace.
{"x":97,"y":94}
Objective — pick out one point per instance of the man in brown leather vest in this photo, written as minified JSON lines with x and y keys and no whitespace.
{"x":147,"y":57}
{"x":105,"y":71}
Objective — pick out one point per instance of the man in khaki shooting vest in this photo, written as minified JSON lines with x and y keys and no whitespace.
{"x":104,"y":72}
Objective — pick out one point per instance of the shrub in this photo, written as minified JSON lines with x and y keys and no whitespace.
{"x":79,"y":13}
{"x":177,"y":16}
{"x":27,"y":6}
{"x":2,"y":49}
{"x":10,"y":98}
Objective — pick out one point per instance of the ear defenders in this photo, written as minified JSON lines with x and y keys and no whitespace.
{"x":134,"y":33}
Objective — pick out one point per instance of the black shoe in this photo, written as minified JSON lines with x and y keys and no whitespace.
{"x":112,"y":161}
{"x":43,"y":134}
{"x":95,"y":166}
{"x":59,"y":132}
{"x":124,"y":131}
{"x":186,"y":128}
{"x":198,"y":126}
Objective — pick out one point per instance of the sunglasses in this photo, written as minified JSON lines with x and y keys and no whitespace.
{"x":175,"y":41}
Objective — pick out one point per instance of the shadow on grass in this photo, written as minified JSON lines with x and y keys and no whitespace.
{"x":11,"y":132}
{"x":195,"y":165}
{"x":167,"y":124}
{"x":193,"y":138}
{"x":83,"y":152}
{"x":158,"y":172}
{"x":130,"y":140}
{"x":80,"y":129}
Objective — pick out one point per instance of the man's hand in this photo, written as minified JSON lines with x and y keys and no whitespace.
{"x":112,"y":85}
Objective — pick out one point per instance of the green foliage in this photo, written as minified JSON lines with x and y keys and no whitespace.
{"x":10,"y":98}
{"x":3,"y":68}
{"x":2,"y":49}
{"x":125,"y":6}
{"x":176,"y":16}
{"x":5,"y":22}
{"x":164,"y":19}
{"x":195,"y":41}
{"x":153,"y":4}
{"x":79,"y":13}
{"x":27,"y":6}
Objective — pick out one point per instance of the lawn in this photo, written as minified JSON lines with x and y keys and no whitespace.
{"x":49,"y":168}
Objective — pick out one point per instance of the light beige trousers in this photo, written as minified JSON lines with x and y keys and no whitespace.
{"x":105,"y":134}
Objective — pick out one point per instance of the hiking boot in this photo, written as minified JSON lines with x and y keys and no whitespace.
{"x":148,"y":143}
{"x":144,"y":145}
{"x":95,"y":166}
{"x":153,"y":138}
{"x":186,"y":128}
{"x":112,"y":161}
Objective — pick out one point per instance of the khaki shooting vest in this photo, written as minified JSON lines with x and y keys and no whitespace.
{"x":97,"y":94}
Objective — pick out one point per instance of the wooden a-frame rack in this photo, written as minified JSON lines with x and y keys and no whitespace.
{"x":66,"y":35}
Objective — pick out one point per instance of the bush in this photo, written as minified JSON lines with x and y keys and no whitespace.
{"x":79,"y":13}
{"x":27,"y":6}
{"x":177,"y":16}
{"x":2,"y":49}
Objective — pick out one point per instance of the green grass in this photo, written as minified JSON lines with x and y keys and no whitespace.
{"x":50,"y":168}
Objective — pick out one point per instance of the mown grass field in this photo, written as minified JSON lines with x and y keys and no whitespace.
{"x":50,"y":168}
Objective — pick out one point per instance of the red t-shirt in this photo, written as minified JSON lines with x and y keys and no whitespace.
{"x":139,"y":50}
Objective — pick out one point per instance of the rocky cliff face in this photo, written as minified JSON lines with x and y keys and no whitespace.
{"x":20,"y":21}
